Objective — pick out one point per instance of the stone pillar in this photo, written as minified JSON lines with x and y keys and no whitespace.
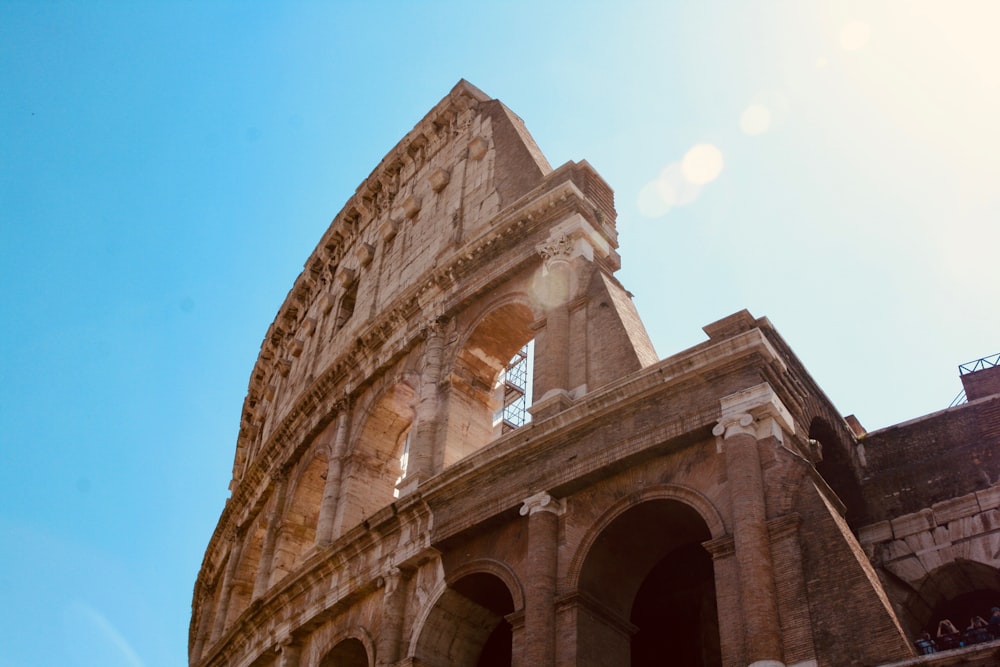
{"x":748,"y":416}
{"x":427,"y":420}
{"x":331,"y":490}
{"x":540,"y":582}
{"x":263,"y":580}
{"x":566,"y":256}
{"x":551,"y":371}
{"x":222,"y":610}
{"x":390,"y":637}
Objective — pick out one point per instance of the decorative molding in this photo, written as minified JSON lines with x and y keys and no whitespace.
{"x":542,"y":502}
{"x":757,"y":412}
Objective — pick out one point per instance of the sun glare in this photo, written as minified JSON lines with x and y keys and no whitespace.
{"x":702,"y":164}
{"x":855,"y":35}
{"x":755,"y":119}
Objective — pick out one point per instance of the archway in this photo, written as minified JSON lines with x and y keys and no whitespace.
{"x":957,"y":591}
{"x":298,"y":525}
{"x":467,"y":625}
{"x":374,"y":466}
{"x":475,"y":400}
{"x":649,"y":591}
{"x":348,"y":653}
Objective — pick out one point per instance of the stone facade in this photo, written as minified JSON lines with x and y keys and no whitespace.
{"x":712,"y":507}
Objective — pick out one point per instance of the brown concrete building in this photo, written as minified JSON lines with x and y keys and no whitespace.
{"x":392,"y":504}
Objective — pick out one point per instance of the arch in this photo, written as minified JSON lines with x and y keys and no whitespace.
{"x":297,"y":532}
{"x":467,"y":624}
{"x":245,"y":574}
{"x":498,"y":569}
{"x":838,"y":469}
{"x":373,"y":466}
{"x":486,"y":346}
{"x":957,"y":591}
{"x":353,"y":648}
{"x":646,"y":584}
{"x":706,"y":510}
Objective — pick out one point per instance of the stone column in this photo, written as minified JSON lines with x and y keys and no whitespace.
{"x":327,"y":520}
{"x":263,"y":580}
{"x":551,"y":371}
{"x":427,"y":420}
{"x":393,"y":606}
{"x":748,"y":416}
{"x":540,"y":582}
{"x":567,"y":255}
{"x":222,"y":610}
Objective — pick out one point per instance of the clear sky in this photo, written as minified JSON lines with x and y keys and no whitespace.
{"x":166,"y":169}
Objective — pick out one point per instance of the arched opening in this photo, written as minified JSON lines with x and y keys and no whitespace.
{"x":958,"y":592}
{"x":467,"y":625}
{"x":375,"y":465}
{"x":246,"y":570}
{"x":837,"y":470}
{"x":348,"y":653}
{"x":298,"y":525}
{"x":478,"y":382}
{"x":675,"y":612}
{"x":649,"y":591}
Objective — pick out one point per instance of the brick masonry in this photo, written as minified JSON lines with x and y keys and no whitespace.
{"x":379,"y":517}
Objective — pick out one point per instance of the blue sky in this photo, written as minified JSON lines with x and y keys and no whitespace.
{"x":167,"y":167}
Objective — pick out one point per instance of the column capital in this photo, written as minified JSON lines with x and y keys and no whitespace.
{"x":391,"y":579}
{"x":572,"y":238}
{"x":542,"y":502}
{"x":756,"y":411}
{"x":435,"y":326}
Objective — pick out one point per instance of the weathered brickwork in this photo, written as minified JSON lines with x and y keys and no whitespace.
{"x":703,"y":509}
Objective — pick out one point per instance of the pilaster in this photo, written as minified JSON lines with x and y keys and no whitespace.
{"x":427,"y":420}
{"x":543,"y":513}
{"x":748,"y":416}
{"x":326,"y":523}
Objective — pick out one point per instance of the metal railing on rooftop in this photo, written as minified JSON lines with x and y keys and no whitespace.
{"x":979,"y":364}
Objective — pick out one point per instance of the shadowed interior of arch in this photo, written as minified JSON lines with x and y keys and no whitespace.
{"x":467,"y":625}
{"x":348,"y":653}
{"x":648,"y":570}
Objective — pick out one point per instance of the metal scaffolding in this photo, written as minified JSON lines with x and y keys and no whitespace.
{"x":516,"y":387}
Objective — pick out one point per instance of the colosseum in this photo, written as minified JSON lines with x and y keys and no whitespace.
{"x":458,"y":447}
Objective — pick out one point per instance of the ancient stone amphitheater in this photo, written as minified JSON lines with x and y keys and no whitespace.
{"x":458,"y":447}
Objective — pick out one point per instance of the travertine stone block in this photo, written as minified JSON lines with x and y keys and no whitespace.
{"x":912,"y":523}
{"x":955,"y":508}
{"x":989,"y":498}
{"x":875,"y":533}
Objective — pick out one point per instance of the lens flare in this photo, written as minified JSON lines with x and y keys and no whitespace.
{"x":702,"y":164}
{"x":855,"y":35}
{"x":755,"y":119}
